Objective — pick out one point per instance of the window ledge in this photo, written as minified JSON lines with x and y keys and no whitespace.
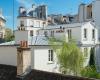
{"x":93,"y":39}
{"x":50,"y":62}
{"x":85,"y":39}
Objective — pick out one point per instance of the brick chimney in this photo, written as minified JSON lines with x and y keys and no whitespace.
{"x":23,"y":59}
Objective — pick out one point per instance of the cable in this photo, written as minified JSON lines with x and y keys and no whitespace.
{"x":13,"y":18}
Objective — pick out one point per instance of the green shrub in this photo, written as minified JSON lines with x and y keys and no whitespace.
{"x":90,"y":71}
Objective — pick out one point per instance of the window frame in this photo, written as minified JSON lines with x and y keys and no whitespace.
{"x":50,"y":56}
{"x":86,"y":52}
{"x":85,"y":33}
{"x":93,"y":34}
{"x":31,"y":32}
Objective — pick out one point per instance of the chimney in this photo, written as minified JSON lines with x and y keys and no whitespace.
{"x":23,"y":59}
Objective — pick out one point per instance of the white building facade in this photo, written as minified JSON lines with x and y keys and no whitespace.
{"x":36,"y":32}
{"x":2,"y":25}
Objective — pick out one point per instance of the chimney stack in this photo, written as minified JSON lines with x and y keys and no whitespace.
{"x":23,"y":59}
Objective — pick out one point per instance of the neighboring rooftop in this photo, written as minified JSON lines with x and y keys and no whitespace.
{"x":72,"y":25}
{"x":35,"y":40}
{"x":1,"y":16}
{"x":8,"y":72}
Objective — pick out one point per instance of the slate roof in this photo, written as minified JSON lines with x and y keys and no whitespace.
{"x":35,"y":40}
{"x":72,"y":25}
{"x":8,"y":72}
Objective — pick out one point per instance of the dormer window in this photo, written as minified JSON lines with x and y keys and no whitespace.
{"x":21,"y":23}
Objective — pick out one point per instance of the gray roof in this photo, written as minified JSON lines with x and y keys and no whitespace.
{"x":35,"y":40}
{"x":72,"y":25}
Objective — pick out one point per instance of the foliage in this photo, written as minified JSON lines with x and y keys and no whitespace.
{"x":70,"y":58}
{"x":8,"y":35}
{"x":90,"y":71}
{"x":92,"y":58}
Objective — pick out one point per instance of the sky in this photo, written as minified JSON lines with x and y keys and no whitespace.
{"x":10,"y":8}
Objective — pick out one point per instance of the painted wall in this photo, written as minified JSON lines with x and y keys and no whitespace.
{"x":89,"y":39}
{"x":96,"y":14}
{"x":87,"y":58}
{"x":97,"y":56}
{"x":39,"y":57}
{"x":20,"y":36}
{"x":31,"y":22}
{"x":76,"y":33}
{"x":40,"y":60}
{"x":8,"y":55}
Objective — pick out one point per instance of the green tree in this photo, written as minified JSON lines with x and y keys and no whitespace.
{"x":70,"y":58}
{"x":8,"y":35}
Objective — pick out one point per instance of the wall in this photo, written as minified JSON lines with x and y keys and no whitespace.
{"x":40,"y":60}
{"x":20,"y":36}
{"x":39,"y":57}
{"x":96,"y":14}
{"x":76,"y":33}
{"x":89,"y":39}
{"x":31,"y":22}
{"x":81,"y":12}
{"x":88,"y":55}
{"x":8,"y":55}
{"x":97,"y":50}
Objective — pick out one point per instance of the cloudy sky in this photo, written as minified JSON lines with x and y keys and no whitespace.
{"x":54,"y":6}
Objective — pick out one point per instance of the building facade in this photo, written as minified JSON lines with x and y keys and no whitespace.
{"x":36,"y":31}
{"x":2,"y":25}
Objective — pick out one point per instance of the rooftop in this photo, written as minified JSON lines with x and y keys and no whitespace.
{"x":8,"y":72}
{"x":35,"y":40}
{"x":72,"y":25}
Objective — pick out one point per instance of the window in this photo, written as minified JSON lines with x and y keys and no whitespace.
{"x":31,"y":33}
{"x":1,"y":35}
{"x":52,"y":33}
{"x":93,"y":33}
{"x":37,"y":32}
{"x":38,"y":23}
{"x":69,"y":34}
{"x":85,"y":33}
{"x":85,"y":52}
{"x":21,"y":23}
{"x":43,"y":24}
{"x":50,"y":55}
{"x":45,"y":33}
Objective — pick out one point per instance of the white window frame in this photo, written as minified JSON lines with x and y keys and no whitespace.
{"x":85,"y":33}
{"x":86,"y":52}
{"x":93,"y":34}
{"x":50,"y":56}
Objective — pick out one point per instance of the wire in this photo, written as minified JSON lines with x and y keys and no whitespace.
{"x":13,"y":17}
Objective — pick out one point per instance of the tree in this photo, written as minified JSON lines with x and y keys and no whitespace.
{"x":70,"y":58}
{"x":8,"y":35}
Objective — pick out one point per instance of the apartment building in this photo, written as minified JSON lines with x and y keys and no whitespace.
{"x":2,"y":25}
{"x":36,"y":32}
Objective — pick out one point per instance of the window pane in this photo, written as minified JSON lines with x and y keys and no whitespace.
{"x":85,"y":33}
{"x":93,"y":34}
{"x":85,"y":52}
